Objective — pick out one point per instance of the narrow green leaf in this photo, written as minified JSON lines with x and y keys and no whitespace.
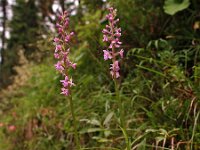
{"x":108,"y":118}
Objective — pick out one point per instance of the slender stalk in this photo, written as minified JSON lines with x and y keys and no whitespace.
{"x":120,"y":105}
{"x":78,"y":147}
{"x":112,"y":35}
{"x":121,"y":113}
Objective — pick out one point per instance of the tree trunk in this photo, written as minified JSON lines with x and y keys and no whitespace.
{"x":62,"y":3}
{"x":3,"y":38}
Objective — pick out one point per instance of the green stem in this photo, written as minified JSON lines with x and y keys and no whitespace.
{"x":78,"y":147}
{"x":121,"y":113}
{"x":120,"y":105}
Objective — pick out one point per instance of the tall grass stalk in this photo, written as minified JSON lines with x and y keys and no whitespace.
{"x":121,"y":113}
{"x":76,"y":136}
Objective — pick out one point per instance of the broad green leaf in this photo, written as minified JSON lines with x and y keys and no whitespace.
{"x":173,"y":6}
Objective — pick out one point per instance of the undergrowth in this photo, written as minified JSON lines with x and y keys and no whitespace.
{"x":161,"y":107}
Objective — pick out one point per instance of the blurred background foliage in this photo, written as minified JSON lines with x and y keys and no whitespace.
{"x":159,"y":85}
